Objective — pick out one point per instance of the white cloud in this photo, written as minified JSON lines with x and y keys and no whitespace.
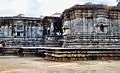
{"x":41,"y":7}
{"x":107,"y":2}
{"x":14,"y":7}
{"x":49,"y":7}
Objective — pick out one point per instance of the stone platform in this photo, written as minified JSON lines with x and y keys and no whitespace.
{"x":71,"y":54}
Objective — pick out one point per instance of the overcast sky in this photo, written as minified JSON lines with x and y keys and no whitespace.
{"x":42,"y":7}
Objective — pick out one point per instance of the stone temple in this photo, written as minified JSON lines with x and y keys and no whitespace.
{"x":91,"y":25}
{"x":88,"y":25}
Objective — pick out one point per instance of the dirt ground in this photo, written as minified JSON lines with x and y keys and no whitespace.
{"x":12,"y":64}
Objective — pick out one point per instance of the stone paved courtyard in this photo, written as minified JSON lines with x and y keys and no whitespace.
{"x":13,"y":64}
